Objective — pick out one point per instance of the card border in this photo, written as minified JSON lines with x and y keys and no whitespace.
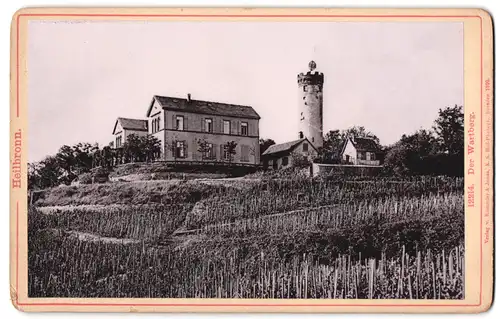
{"x":434,"y":303}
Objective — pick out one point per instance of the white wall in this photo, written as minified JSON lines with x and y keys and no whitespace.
{"x":351,"y":152}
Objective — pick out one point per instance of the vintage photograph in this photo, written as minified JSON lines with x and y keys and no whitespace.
{"x":245,"y":159}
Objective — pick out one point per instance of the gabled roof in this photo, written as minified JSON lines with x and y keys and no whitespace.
{"x":362,"y":144}
{"x":285,"y":147}
{"x":203,"y":107}
{"x":131,"y":124}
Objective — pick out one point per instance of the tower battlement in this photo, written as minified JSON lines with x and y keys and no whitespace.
{"x":311,"y":78}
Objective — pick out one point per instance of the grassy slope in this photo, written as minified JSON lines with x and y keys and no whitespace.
{"x":161,"y":254}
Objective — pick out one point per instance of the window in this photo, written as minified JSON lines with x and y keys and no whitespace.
{"x":284,"y":161}
{"x":245,"y":150}
{"x":244,"y":128}
{"x":305,"y":147}
{"x":180,"y":149}
{"x":179,"y":123}
{"x":118,"y":141}
{"x":226,"y":154}
{"x":368,"y":156}
{"x":208,"y":125}
{"x":227,"y":127}
{"x":209,"y":151}
{"x":155,"y":125}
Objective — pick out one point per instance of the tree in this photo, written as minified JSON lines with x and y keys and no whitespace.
{"x":412,"y":155}
{"x":204,"y":148}
{"x":360,"y":131}
{"x":300,"y":160}
{"x":265,"y":144}
{"x":75,"y":160}
{"x":172,"y":148}
{"x":83,"y":153}
{"x":449,"y":128}
{"x":133,"y":149}
{"x":46,"y":173}
{"x":106,"y":156}
{"x":152,"y":147}
{"x":230,"y":151}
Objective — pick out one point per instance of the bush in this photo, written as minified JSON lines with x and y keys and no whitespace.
{"x":85,"y":178}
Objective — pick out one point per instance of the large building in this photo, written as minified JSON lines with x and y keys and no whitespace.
{"x":198,"y":131}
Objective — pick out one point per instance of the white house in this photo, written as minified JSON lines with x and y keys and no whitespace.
{"x":361,"y":151}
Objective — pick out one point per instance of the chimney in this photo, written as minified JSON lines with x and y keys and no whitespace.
{"x":189,"y":97}
{"x":301,"y":135}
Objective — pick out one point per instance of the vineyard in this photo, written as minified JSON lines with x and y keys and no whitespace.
{"x":275,"y":238}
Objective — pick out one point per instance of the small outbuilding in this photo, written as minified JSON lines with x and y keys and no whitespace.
{"x":361,"y":151}
{"x":283,"y":155}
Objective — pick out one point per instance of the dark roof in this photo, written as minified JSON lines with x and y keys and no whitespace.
{"x":283,"y":147}
{"x":132,"y":124}
{"x":365,"y":144}
{"x":204,"y":107}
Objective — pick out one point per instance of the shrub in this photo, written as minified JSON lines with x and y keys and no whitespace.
{"x":85,"y":178}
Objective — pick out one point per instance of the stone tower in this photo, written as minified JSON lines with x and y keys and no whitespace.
{"x":311,"y":105}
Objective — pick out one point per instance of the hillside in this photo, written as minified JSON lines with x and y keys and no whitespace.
{"x":250,"y":238}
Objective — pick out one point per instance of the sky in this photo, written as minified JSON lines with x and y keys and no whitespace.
{"x":390,"y":77}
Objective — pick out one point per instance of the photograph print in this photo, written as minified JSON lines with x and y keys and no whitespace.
{"x":245,"y":159}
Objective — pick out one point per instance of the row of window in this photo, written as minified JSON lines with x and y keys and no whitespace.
{"x":208,"y":126}
{"x":119,"y":141}
{"x":366,"y":156}
{"x":180,"y":151}
{"x":274,"y":162}
{"x":155,"y":124}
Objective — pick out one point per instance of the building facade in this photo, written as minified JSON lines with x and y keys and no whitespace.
{"x":202,"y":131}
{"x":125,"y":127}
{"x":361,"y":151}
{"x":283,"y":155}
{"x":311,"y":105}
